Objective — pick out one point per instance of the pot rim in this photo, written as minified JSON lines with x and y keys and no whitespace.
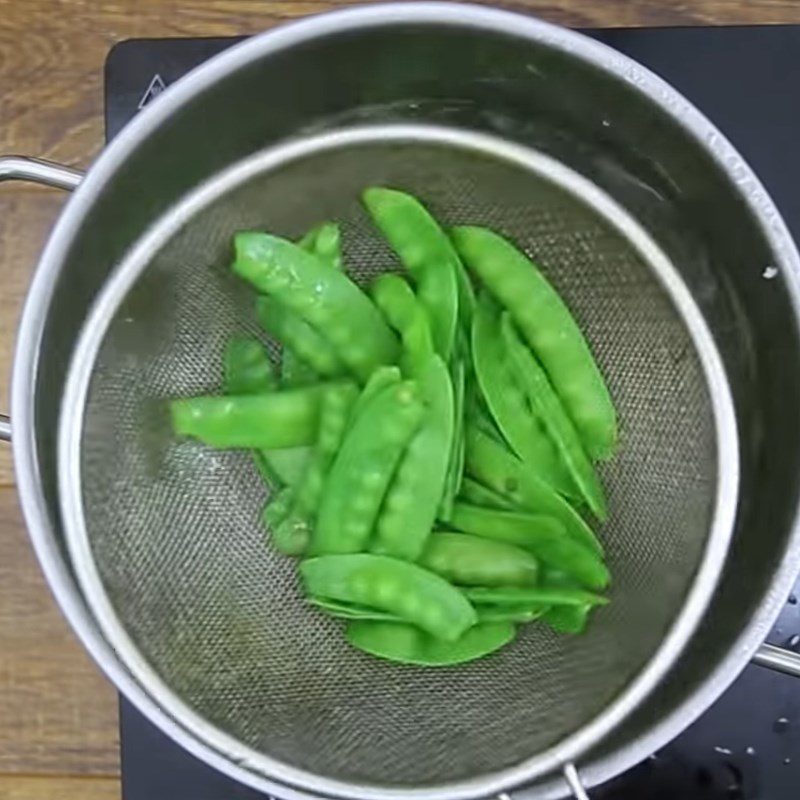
{"x":40,"y":296}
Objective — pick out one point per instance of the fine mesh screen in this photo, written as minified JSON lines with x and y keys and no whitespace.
{"x":175,"y":527}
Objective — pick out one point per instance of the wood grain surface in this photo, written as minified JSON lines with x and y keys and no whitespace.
{"x":58,"y":726}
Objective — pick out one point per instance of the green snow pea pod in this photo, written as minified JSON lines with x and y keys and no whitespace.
{"x":296,"y":526}
{"x":543,"y":536}
{"x":491,"y":463}
{"x":389,"y":584}
{"x":568,"y":619}
{"x":325,"y":242}
{"x":508,"y":403}
{"x":455,"y":463}
{"x":379,"y":380}
{"x":406,"y":644}
{"x":487,"y":613}
{"x":308,"y":345}
{"x":325,"y":298}
{"x":285,"y":418}
{"x":477,"y":494}
{"x":363,"y":468}
{"x":533,"y":595}
{"x":247,"y":368}
{"x":543,"y":398}
{"x":549,"y":329}
{"x":398,"y":303}
{"x":426,"y":252}
{"x":409,"y":509}
{"x":468,"y":560}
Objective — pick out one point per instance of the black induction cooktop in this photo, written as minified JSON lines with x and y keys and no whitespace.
{"x":747,"y":747}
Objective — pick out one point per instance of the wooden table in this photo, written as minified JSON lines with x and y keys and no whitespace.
{"x":58,"y":716}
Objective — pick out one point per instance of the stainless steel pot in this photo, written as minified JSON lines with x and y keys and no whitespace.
{"x":580,"y":103}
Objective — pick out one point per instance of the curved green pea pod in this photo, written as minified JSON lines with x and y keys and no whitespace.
{"x":568,"y":619}
{"x":507,"y":402}
{"x":287,"y":464}
{"x":491,"y":463}
{"x":549,"y":329}
{"x":336,"y":405}
{"x":247,"y":368}
{"x":363,"y":468}
{"x":307,"y":344}
{"x":469,"y":560}
{"x":396,"y":641}
{"x":388,"y":584}
{"x":327,"y":299}
{"x":543,"y":536}
{"x":543,"y":398}
{"x":426,"y":252}
{"x":325,"y":242}
{"x":479,"y":495}
{"x":285,"y":418}
{"x":455,"y":465}
{"x":487,"y":613}
{"x":533,"y":595}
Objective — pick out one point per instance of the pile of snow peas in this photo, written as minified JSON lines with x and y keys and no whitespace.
{"x":428,"y":440}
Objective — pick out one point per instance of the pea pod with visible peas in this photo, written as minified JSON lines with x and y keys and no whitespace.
{"x":409,"y":509}
{"x":363,"y":468}
{"x":556,"y":420}
{"x":306,"y":343}
{"x":285,"y":418}
{"x":324,"y":297}
{"x":549,"y":329}
{"x":469,"y":560}
{"x":406,"y":644}
{"x":491,"y":463}
{"x":508,"y":403}
{"x":414,"y":594}
{"x":295,"y":529}
{"x":428,"y":255}
{"x":543,"y":536}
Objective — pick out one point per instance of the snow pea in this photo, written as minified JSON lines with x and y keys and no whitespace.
{"x":469,"y":560}
{"x":409,"y":509}
{"x":295,"y":334}
{"x":286,"y":465}
{"x":543,"y":398}
{"x":525,"y":612}
{"x":491,"y":463}
{"x":543,"y":536}
{"x":325,"y":298}
{"x":379,"y":380}
{"x":568,"y":619}
{"x":275,"y":510}
{"x":455,"y":465}
{"x":363,"y":468}
{"x":533,"y":595}
{"x":325,"y":242}
{"x":406,"y":644}
{"x":508,"y":403}
{"x":296,"y":527}
{"x":286,"y":418}
{"x":389,"y":584}
{"x":428,"y":255}
{"x":247,"y":368}
{"x":479,"y":495}
{"x":549,"y":328}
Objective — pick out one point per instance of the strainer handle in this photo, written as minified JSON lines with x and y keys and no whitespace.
{"x":47,"y":173}
{"x":779,"y":659}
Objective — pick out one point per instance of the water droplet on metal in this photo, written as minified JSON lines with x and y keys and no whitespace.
{"x":781,"y":725}
{"x":769,"y":272}
{"x":606,"y":123}
{"x":751,"y":751}
{"x":792,"y":600}
{"x":787,"y":760}
{"x":793,"y":641}
{"x":723,"y":751}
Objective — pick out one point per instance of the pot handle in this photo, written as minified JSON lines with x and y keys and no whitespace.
{"x":47,"y":173}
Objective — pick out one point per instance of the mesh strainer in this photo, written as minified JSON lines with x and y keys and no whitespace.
{"x":165,"y":535}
